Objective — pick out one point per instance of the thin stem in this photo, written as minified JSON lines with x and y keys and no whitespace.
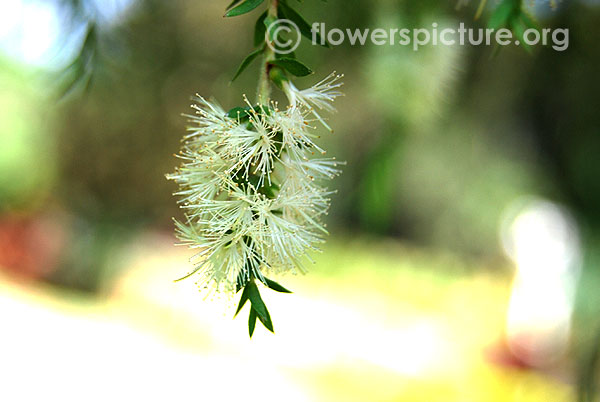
{"x":480,"y":9}
{"x":264,"y":85}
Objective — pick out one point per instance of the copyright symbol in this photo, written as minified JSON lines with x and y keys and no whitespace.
{"x":278,"y":44}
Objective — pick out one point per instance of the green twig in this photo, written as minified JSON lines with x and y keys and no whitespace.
{"x":264,"y":85}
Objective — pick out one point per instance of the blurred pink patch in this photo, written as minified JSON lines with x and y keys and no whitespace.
{"x":30,"y":246}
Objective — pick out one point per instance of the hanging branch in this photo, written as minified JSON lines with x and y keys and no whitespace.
{"x":249,"y":181}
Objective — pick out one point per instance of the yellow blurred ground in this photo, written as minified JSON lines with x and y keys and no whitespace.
{"x":374,"y":321}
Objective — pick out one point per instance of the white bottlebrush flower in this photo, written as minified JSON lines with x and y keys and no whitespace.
{"x":250,"y":186}
{"x":317,"y":98}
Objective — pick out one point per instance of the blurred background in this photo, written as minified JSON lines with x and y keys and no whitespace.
{"x":463,"y":261}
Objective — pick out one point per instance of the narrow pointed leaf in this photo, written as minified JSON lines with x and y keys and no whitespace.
{"x":233,"y":3}
{"x":259,"y":306}
{"x":500,"y":16}
{"x":292,"y":66}
{"x":271,"y":284}
{"x":79,"y":73}
{"x":304,"y":27}
{"x":260,"y":30}
{"x":244,"y":8}
{"x":247,"y":61}
{"x":243,"y":300}
{"x":251,"y":322}
{"x":266,"y":321}
{"x":518,"y":28}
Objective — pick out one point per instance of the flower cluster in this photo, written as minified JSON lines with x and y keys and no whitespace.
{"x":250,"y":186}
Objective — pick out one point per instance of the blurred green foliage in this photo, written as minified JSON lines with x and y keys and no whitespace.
{"x":28,"y":162}
{"x":438,"y":142}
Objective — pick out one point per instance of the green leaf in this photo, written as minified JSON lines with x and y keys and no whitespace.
{"x":523,"y":23}
{"x":292,"y":66}
{"x":260,"y":30}
{"x":275,"y":286}
{"x":243,"y":300}
{"x":500,"y":16}
{"x":79,"y":73}
{"x":518,"y":28}
{"x":236,"y":111}
{"x":251,"y":322}
{"x":247,"y":61}
{"x":266,"y":321}
{"x":304,"y":27}
{"x":244,"y":8}
{"x":259,"y":306}
{"x":233,"y":3}
{"x":234,"y":114}
{"x":244,"y":113}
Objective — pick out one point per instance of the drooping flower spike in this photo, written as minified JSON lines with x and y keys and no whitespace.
{"x":248,"y":188}
{"x":251,"y":184}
